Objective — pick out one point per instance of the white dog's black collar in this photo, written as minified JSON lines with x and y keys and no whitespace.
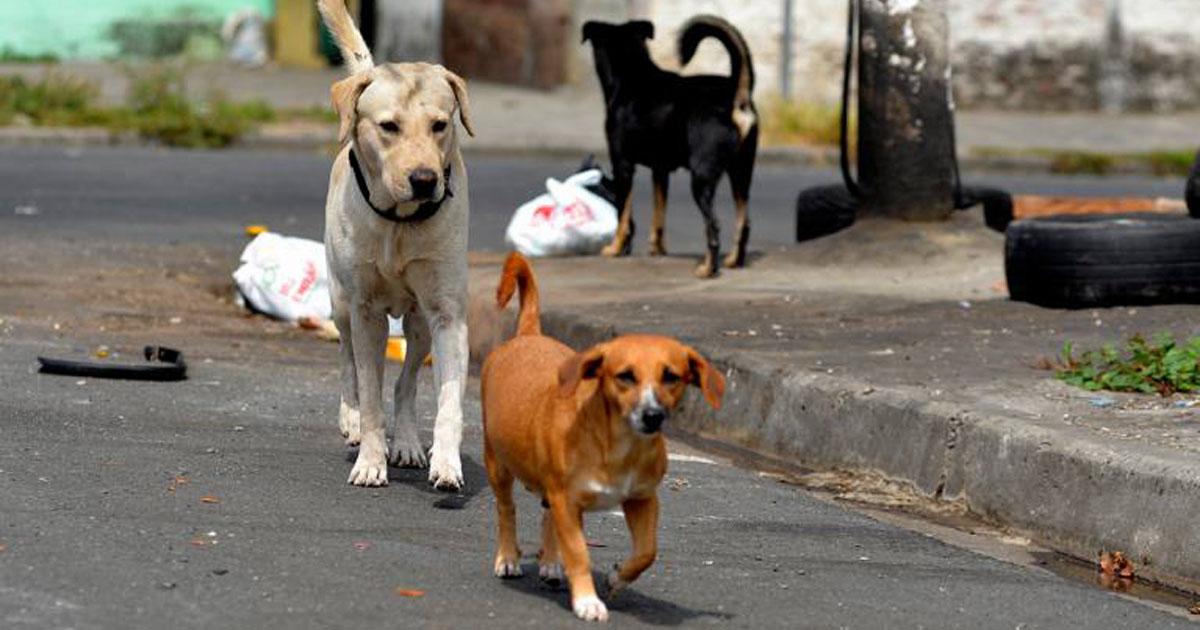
{"x":424,"y":211}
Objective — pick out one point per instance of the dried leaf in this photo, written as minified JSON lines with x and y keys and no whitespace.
{"x":3,"y":547}
{"x":1195,"y":609}
{"x":1116,"y":571}
{"x":179,"y":480}
{"x":198,"y":542}
{"x":595,"y":543}
{"x":1116,"y":564}
{"x":410,"y":592}
{"x":362,"y":545}
{"x":208,"y":498}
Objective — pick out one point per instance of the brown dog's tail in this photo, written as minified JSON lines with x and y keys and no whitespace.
{"x":346,"y":34}
{"x":741,"y":66}
{"x":518,"y":274}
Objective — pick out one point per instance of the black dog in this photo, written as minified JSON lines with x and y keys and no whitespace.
{"x":659,"y":119}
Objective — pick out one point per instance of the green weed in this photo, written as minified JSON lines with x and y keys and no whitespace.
{"x":1082,"y":162}
{"x":1159,"y":365}
{"x":792,"y":122}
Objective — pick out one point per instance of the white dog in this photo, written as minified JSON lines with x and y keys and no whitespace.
{"x":396,"y":237}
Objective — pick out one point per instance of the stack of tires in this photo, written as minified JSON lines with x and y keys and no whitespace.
{"x":1081,"y":261}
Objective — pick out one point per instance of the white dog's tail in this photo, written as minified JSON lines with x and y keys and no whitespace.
{"x":349,"y":39}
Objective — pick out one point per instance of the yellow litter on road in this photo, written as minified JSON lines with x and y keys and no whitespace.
{"x":396,"y":348}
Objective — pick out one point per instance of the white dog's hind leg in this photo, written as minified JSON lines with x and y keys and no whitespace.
{"x":449,"y":330}
{"x":369,"y":338}
{"x":406,"y":444}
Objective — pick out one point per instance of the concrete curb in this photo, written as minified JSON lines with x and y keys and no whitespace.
{"x":322,"y":140}
{"x":1067,"y":489}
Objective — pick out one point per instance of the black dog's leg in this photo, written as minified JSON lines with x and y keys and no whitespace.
{"x":622,"y":243}
{"x":662,"y":180}
{"x":740,"y":174}
{"x":703,"y":188}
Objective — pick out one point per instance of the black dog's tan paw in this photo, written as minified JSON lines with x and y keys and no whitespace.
{"x":612,"y":249}
{"x":733,"y":260}
{"x":705,"y":270}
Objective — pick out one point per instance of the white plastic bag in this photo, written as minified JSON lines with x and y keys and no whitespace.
{"x":285,"y":277}
{"x":245,"y":33}
{"x":288,"y":278}
{"x":568,"y":219}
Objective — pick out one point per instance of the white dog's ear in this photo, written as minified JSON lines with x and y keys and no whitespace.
{"x":345,"y":95}
{"x":464,"y":103}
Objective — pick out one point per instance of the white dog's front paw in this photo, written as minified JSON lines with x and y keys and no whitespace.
{"x":590,"y":609}
{"x":407,"y":453}
{"x":350,"y":423}
{"x":371,"y":467}
{"x":445,"y":469}
{"x":551,"y":574}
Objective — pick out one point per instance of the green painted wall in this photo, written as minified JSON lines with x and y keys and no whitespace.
{"x":78,"y":29}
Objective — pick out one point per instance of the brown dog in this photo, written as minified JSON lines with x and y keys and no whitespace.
{"x":583,"y":430}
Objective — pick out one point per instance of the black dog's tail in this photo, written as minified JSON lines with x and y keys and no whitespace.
{"x":741,"y":66}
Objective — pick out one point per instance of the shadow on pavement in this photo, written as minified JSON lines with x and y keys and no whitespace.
{"x":474,"y":479}
{"x":644,"y":608}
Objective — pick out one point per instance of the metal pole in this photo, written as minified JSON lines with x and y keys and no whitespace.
{"x":785,"y":52}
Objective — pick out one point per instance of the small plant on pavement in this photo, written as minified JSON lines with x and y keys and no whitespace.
{"x":54,"y":99}
{"x":1159,"y":365}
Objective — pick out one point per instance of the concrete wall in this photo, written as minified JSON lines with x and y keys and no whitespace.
{"x":78,"y":29}
{"x":1009,"y":54}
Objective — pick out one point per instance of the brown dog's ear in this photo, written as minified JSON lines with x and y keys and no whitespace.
{"x":709,"y":379}
{"x":464,"y":104}
{"x":583,"y":365}
{"x":345,"y":95}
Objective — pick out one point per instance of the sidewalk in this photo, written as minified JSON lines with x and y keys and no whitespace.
{"x":892,"y":349}
{"x":570,"y":120}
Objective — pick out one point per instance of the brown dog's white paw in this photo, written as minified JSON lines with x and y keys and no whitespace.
{"x":445,"y":469}
{"x":407,"y":453}
{"x":350,"y":424}
{"x":551,"y":574}
{"x":590,"y":609}
{"x":506,"y":568}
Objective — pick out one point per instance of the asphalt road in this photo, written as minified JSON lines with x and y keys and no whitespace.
{"x":220,"y":502}
{"x":162,"y":196}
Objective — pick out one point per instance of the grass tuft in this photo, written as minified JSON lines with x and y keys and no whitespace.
{"x":791,"y":122}
{"x":1156,"y":366}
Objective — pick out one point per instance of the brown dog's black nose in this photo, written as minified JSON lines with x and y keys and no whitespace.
{"x":652,"y":420}
{"x":423,"y":181}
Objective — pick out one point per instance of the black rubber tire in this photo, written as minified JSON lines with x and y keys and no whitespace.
{"x":1081,"y":261}
{"x":823,"y":210}
{"x":997,"y":205}
{"x":1191,"y":192}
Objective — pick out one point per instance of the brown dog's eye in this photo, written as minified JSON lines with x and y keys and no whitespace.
{"x":627,"y":377}
{"x":389,"y":127}
{"x":439,"y":126}
{"x":669,"y":377}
